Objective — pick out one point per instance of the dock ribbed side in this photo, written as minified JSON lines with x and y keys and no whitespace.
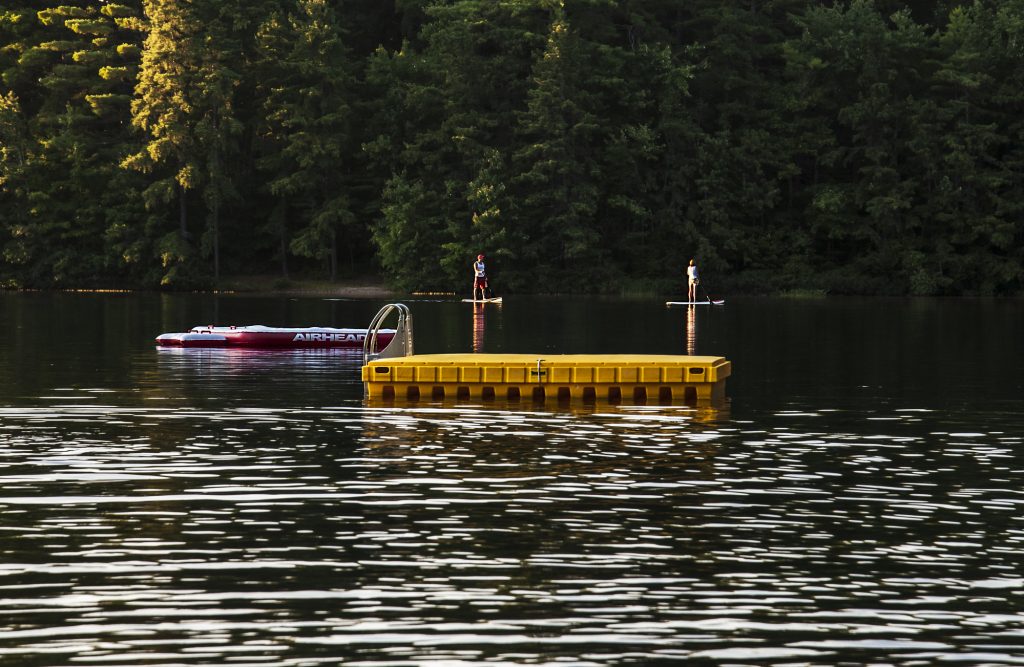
{"x":613,"y":378}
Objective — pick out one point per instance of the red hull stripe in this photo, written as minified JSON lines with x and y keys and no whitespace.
{"x":271,"y":337}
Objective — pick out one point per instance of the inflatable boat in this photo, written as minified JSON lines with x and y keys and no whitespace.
{"x":258,"y":336}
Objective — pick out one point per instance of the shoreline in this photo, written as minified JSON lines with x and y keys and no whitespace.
{"x":357,"y":288}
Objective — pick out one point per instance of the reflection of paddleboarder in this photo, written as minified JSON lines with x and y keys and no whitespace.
{"x":479,"y":277}
{"x":691,"y":281}
{"x":478,"y":327}
{"x":691,"y":330}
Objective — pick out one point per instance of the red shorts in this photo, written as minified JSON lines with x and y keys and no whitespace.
{"x":480,"y":282}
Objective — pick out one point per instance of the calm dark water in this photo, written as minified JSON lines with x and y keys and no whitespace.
{"x":857,"y":501}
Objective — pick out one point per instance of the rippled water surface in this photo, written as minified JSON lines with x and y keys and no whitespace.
{"x":857,"y":500}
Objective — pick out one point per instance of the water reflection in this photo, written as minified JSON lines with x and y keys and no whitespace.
{"x":219,"y":361}
{"x":691,"y":330}
{"x":854,"y":505}
{"x":320,"y":534}
{"x":703,"y":410}
{"x":479,"y":311}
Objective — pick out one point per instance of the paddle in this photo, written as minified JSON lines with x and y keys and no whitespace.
{"x":708,"y":297}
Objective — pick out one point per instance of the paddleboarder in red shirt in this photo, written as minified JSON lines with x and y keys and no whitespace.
{"x":479,"y":277}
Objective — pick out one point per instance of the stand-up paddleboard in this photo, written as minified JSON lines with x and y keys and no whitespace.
{"x":493,"y":299}
{"x":716,"y":302}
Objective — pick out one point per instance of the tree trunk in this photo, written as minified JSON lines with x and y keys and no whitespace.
{"x":216,"y":240}
{"x":334,"y":255}
{"x":182,"y":214}
{"x":282,"y":229}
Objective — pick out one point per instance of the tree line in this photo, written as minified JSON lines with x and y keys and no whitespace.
{"x":853,"y":147}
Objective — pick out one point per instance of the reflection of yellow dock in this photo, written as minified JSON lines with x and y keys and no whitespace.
{"x":638,"y":378}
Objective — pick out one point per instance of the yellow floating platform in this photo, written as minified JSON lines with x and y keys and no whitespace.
{"x":638,"y":378}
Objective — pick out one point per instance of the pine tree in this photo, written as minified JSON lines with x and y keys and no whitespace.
{"x":69,"y":142}
{"x":557,"y":184}
{"x":308,"y":134}
{"x":184,"y":103}
{"x":970,"y":159}
{"x":450,"y":143}
{"x":867,"y":74}
{"x":742,"y":152}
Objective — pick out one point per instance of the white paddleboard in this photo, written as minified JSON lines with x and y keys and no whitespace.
{"x":493,"y":299}
{"x":717,"y":302}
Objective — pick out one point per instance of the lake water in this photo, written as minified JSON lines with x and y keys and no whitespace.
{"x":858,"y":499}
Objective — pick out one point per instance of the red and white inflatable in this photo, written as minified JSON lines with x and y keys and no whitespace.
{"x":271,"y":337}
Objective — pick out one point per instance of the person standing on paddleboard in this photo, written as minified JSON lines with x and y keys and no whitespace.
{"x":691,"y":281}
{"x":479,"y":277}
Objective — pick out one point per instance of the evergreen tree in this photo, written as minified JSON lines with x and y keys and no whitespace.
{"x":71,"y":193}
{"x":970,"y":157}
{"x":864,"y":147}
{"x":557,"y":180}
{"x":184,"y":105}
{"x":637,"y":74}
{"x":669,"y":235}
{"x":308,"y":133}
{"x":15,"y":152}
{"x":867,"y":73}
{"x":451,"y":142}
{"x":743,"y":151}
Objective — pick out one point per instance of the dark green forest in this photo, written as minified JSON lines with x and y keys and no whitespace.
{"x":852,"y":147}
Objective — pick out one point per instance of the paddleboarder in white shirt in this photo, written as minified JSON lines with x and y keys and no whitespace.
{"x":691,"y":281}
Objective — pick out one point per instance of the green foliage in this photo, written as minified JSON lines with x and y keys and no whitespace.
{"x":61,"y":15}
{"x":118,"y":11}
{"x":583,"y":145}
{"x":557,"y":182}
{"x":309,"y":146}
{"x":64,"y":137}
{"x":185,"y":106}
{"x":411,"y":240}
{"x":14,"y":139}
{"x":89,"y":26}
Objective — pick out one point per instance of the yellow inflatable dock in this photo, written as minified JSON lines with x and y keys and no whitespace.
{"x":615,"y":378}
